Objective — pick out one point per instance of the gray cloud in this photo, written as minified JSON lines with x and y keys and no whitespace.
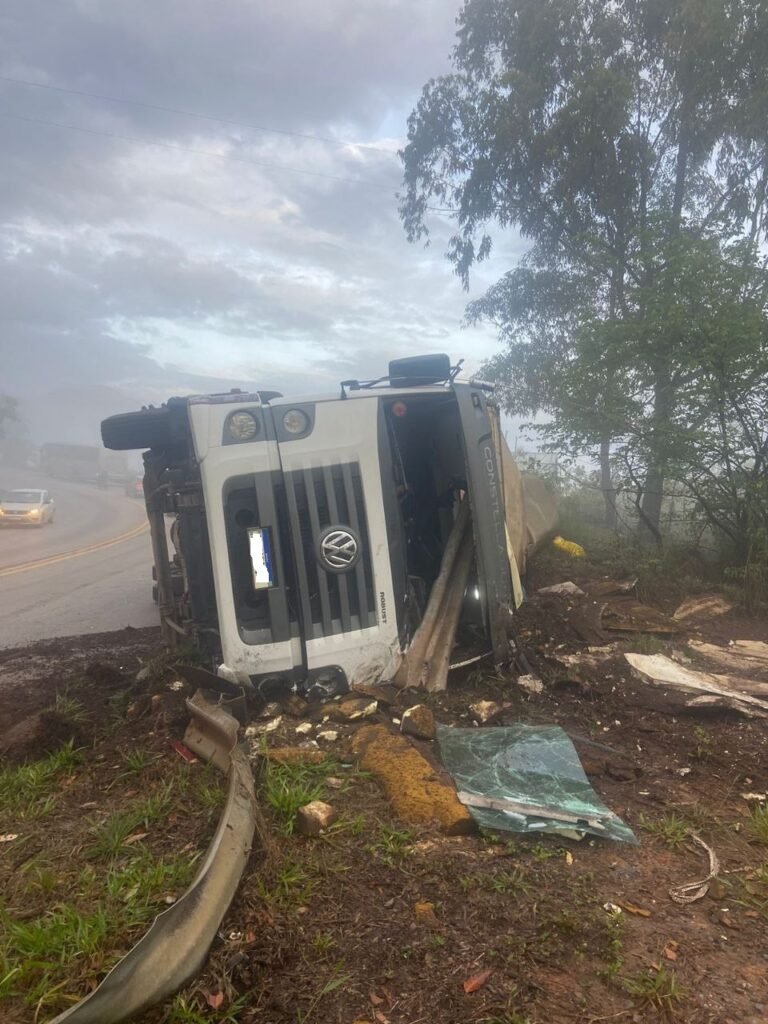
{"x":144,"y":251}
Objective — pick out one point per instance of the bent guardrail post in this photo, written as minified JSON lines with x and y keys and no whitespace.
{"x":174,"y":949}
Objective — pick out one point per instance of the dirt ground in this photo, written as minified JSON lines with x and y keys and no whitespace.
{"x":378,"y":920}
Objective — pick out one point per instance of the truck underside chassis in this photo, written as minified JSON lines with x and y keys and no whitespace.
{"x":298,"y":543}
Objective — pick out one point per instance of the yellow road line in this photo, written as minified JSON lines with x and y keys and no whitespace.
{"x":101,"y":545}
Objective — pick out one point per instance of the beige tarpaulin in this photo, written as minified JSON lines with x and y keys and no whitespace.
{"x":531,"y":512}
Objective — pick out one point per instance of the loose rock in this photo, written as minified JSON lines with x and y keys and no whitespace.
{"x":485,"y":711}
{"x":418,"y":721}
{"x":328,"y":735}
{"x":313,"y":818}
{"x":531,"y":684}
{"x":271,"y":710}
{"x":304,"y":728}
{"x":567,"y":589}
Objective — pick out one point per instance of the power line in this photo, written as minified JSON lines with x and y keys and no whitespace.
{"x":191,"y":113}
{"x":189,"y":149}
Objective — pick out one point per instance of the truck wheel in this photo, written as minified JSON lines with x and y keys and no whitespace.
{"x":148,"y":428}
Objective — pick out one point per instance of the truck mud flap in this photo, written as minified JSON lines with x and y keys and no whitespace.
{"x":174,"y":949}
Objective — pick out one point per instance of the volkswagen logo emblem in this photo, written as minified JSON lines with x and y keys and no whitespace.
{"x":339,"y":549}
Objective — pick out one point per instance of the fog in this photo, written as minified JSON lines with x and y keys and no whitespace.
{"x":195,"y":198}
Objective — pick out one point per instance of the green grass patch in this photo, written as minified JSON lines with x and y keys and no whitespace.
{"x":287,"y":787}
{"x":658,"y":990}
{"x":43,"y":961}
{"x":29,"y":791}
{"x":670,"y":829}
{"x":392,"y":845}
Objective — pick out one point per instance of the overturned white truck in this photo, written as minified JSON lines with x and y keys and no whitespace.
{"x":311,"y":536}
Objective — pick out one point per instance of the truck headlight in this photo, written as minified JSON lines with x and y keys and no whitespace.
{"x":242,"y":426}
{"x":295,"y":421}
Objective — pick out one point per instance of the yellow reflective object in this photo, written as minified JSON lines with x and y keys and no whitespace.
{"x":570,"y":547}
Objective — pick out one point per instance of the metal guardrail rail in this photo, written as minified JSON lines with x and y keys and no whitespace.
{"x":174,"y":949}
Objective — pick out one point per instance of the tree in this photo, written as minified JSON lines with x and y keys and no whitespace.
{"x":8,"y":412}
{"x":609,"y":135}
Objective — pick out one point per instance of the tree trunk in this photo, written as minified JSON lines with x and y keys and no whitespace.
{"x":606,"y":485}
{"x":653,"y":492}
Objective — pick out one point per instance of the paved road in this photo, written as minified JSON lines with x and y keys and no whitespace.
{"x":75,"y":576}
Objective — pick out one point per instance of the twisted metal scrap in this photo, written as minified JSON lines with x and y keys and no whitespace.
{"x":690,"y":892}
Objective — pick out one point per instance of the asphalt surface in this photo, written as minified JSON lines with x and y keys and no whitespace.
{"x":90,"y":571}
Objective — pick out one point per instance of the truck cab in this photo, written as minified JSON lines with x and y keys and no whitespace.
{"x":309,"y":532}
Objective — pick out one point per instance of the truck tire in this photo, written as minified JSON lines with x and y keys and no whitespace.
{"x":127,"y":431}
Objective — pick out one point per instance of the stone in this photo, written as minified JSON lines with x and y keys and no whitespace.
{"x":486,"y":711}
{"x":353,"y":710}
{"x":418,"y":721}
{"x":328,"y":735}
{"x":425,"y":915}
{"x":304,"y":728}
{"x":414,"y":788}
{"x":295,"y":706}
{"x":271,"y":710}
{"x":313,"y":818}
{"x":531,"y":684}
{"x":274,"y":725}
{"x":156,"y":702}
{"x":334,"y":782}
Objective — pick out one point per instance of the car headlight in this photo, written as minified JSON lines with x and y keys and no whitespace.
{"x":295,"y":421}
{"x":34,"y":512}
{"x":242,"y":426}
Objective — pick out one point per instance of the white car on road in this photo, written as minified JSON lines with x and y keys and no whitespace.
{"x":28,"y":507}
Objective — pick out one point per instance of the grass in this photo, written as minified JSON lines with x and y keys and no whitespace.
{"x":287,"y":787}
{"x":137,"y":760}
{"x":303,"y":1016}
{"x":109,"y":836}
{"x":758,"y":825}
{"x":392,"y":845}
{"x":70,"y":709}
{"x":658,"y":990}
{"x":61,"y":946}
{"x":670,"y":829}
{"x":28,"y":791}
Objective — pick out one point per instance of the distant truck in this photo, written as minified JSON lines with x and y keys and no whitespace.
{"x":310,"y":532}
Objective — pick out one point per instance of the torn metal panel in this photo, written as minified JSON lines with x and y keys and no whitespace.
{"x":175,"y":948}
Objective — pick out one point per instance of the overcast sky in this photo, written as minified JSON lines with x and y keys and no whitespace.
{"x":170,"y":208}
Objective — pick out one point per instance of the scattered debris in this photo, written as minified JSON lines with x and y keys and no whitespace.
{"x":670,"y":950}
{"x":567,"y":589}
{"x":315,"y":817}
{"x":740,"y":656}
{"x":183,"y":752}
{"x":328,"y":735}
{"x":8,"y":837}
{"x":702,"y":608}
{"x":274,"y":725}
{"x":568,"y":547}
{"x":690,"y":892}
{"x":354,"y":709}
{"x":476,"y":981}
{"x":418,"y":721}
{"x":384,"y":693}
{"x":714,"y":690}
{"x":625,"y":615}
{"x":531,"y":684}
{"x":486,"y":711}
{"x":526,"y":779}
{"x":633,"y":908}
{"x":293,"y":755}
{"x":295,"y":706}
{"x":304,"y":728}
{"x":412,"y":785}
{"x":613,"y":909}
{"x":607,"y":588}
{"x":176,"y":685}
{"x":334,"y":782}
{"x":271,"y":710}
{"x":425,"y":915}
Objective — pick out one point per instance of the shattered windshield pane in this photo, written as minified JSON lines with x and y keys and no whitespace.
{"x":526,"y":778}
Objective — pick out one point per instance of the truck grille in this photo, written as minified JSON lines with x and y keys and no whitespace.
{"x":318,"y":498}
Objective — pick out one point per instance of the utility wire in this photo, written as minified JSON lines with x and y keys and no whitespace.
{"x":189,"y":149}
{"x":192,"y":113}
